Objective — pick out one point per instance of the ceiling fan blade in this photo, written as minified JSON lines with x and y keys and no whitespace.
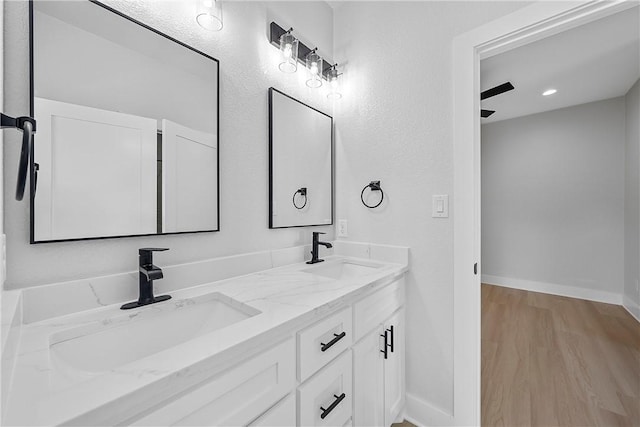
{"x":504,"y":87}
{"x":486,"y":113}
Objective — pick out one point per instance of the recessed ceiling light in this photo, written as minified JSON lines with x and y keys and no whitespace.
{"x":549,"y":92}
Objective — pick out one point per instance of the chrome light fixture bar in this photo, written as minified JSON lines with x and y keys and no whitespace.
{"x":275,"y":34}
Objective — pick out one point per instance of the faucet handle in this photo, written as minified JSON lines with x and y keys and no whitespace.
{"x":146,"y":254}
{"x":145,"y":251}
{"x":319,"y":232}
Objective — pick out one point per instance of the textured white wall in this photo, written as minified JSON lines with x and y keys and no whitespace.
{"x":395,"y":124}
{"x":248,"y":67}
{"x":632,"y":197}
{"x":553,"y":197}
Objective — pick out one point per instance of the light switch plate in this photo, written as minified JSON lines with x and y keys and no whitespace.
{"x":342,"y":228}
{"x":440,"y":206}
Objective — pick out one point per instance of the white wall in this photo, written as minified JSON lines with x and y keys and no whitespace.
{"x":394,"y":124}
{"x":248,"y":67}
{"x":632,"y":201}
{"x":553,"y":199}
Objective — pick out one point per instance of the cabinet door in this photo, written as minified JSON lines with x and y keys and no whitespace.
{"x":236,"y":396}
{"x":368,"y":380}
{"x":282,"y":414}
{"x":189,"y":160}
{"x":394,"y":369}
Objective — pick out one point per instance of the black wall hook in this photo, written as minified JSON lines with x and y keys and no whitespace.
{"x":373,"y":186}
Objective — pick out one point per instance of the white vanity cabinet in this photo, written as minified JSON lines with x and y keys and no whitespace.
{"x":378,"y":358}
{"x":332,"y":372}
{"x":237,"y":396}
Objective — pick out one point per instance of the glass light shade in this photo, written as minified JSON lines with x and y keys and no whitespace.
{"x":289,"y":50}
{"x":209,"y":14}
{"x":333,"y":84}
{"x":314,"y":65}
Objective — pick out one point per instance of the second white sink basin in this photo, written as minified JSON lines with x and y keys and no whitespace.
{"x":342,"y":270}
{"x":140,"y":333}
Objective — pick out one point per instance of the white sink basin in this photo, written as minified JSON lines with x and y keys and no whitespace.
{"x":343,"y":269}
{"x":142,"y":332}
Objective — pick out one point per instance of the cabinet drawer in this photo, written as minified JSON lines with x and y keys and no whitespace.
{"x":377,"y":307}
{"x":283,"y":414}
{"x":235,"y":397}
{"x":322,"y":342}
{"x":329,"y":392}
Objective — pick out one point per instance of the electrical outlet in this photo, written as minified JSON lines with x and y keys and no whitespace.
{"x":342,"y":228}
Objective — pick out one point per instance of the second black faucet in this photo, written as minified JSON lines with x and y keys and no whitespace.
{"x":314,"y":247}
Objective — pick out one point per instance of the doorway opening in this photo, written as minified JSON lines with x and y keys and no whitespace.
{"x":523,"y":27}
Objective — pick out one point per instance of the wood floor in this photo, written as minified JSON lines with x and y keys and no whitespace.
{"x":556,"y":361}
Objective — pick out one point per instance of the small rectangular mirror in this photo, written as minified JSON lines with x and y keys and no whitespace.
{"x":127,"y":127}
{"x":300,"y":163}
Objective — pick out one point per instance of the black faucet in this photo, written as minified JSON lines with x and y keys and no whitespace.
{"x":147,"y":274}
{"x":314,"y":247}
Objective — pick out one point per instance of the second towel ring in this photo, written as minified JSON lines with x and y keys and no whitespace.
{"x":374,"y":186}
{"x":303,"y":192}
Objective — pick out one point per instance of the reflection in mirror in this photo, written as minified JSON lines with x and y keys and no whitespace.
{"x":127,"y":140}
{"x":301,"y":168}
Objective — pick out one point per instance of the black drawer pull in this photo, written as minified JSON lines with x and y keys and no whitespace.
{"x":331,"y":407}
{"x":336,"y":338}
{"x":392,"y":340}
{"x":384,"y":349}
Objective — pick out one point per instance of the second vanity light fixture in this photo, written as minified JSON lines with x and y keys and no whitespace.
{"x":294,"y":51}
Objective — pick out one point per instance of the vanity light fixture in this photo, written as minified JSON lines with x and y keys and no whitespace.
{"x":549,"y":92}
{"x":332,"y":76}
{"x":314,"y":65}
{"x":209,"y":14}
{"x":299,"y":53}
{"x":289,"y":49}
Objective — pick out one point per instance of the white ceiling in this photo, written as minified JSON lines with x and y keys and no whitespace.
{"x":596,"y":61}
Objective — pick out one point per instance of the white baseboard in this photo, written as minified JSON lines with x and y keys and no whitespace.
{"x":554,"y":289}
{"x":632,"y":307}
{"x":422,"y":413}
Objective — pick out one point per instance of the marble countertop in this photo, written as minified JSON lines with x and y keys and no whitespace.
{"x":45,"y":393}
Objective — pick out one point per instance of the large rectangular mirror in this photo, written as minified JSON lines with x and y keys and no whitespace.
{"x":127,"y":127}
{"x":300,"y":163}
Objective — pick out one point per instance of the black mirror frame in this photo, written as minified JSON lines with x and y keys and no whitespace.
{"x":271,"y":90}
{"x":33,"y":167}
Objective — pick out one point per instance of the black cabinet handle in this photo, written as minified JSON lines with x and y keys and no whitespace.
{"x":331,"y":407}
{"x":392,"y":338}
{"x":336,"y":338}
{"x":384,"y":349}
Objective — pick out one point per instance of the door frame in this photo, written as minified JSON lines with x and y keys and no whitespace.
{"x":524,"y":26}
